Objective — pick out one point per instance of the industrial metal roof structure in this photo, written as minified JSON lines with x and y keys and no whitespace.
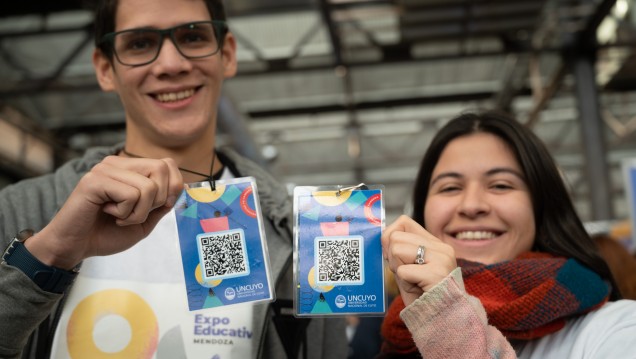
{"x":350,"y":91}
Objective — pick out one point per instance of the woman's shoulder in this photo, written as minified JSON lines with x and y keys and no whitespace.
{"x":625,"y":308}
{"x":602,"y":333}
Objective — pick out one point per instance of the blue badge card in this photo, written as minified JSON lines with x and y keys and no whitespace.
{"x":222,"y":242}
{"x":338,"y":264}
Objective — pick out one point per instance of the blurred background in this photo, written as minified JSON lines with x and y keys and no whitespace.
{"x":348,"y":91}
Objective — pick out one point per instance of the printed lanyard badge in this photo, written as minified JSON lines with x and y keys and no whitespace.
{"x":222,"y":243}
{"x":338,"y":267}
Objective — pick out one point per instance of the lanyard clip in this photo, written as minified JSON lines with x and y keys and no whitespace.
{"x":351,"y":188}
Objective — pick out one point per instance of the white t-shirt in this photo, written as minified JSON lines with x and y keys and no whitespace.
{"x":133,"y":305}
{"x":609,"y":332}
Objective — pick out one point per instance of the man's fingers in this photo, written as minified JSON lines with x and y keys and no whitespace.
{"x":159,"y":179}
{"x":175,"y":182}
{"x":136,"y":186}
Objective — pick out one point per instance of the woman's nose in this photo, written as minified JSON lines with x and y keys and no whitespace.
{"x":474,"y":202}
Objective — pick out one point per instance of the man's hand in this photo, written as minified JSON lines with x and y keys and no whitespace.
{"x":114,"y":206}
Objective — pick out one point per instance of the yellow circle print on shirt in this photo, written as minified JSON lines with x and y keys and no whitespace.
{"x":124,"y":303}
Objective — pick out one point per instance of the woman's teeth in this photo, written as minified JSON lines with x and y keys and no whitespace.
{"x":175,"y":96}
{"x":475,"y":235}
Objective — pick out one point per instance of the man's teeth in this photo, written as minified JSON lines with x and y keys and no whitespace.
{"x":175,"y":96}
{"x":475,"y":235}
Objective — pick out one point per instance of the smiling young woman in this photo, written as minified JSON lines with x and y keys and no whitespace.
{"x":508,"y":269}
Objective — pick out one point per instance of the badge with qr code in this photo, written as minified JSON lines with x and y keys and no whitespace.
{"x":338,"y":264}
{"x":222,"y":243}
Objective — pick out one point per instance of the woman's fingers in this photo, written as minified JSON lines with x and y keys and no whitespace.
{"x":424,"y":276}
{"x":403,"y":247}
{"x":403,"y":224}
{"x":418,"y":259}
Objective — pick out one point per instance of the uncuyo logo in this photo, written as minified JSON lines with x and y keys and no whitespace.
{"x":230,"y":293}
{"x":341,"y":301}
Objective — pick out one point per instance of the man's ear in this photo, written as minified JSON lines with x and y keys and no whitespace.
{"x":228,"y":54}
{"x":103,"y":70}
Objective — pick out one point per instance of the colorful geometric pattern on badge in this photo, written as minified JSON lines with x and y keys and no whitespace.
{"x":212,"y":265}
{"x":338,"y":214}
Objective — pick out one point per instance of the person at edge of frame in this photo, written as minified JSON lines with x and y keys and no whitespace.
{"x":495,"y":262}
{"x":111,"y":211}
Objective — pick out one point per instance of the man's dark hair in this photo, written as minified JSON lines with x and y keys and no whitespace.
{"x":559,"y":230}
{"x":106,"y":11}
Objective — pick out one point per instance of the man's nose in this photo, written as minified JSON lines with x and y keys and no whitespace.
{"x":170,"y":60}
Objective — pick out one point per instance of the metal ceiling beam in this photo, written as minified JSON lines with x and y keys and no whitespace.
{"x":513,"y":75}
{"x":37,"y":7}
{"x":395,"y":54}
{"x":27,"y":88}
{"x":588,"y":35}
{"x":546,"y":95}
{"x":281,"y":66}
{"x":340,"y":67}
{"x":368,"y":105}
{"x":583,"y":59}
{"x":334,"y":38}
{"x":45,"y":31}
{"x":584,"y":40}
{"x":38,"y":85}
{"x":593,"y":138}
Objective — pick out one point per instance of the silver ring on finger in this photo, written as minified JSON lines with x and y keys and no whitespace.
{"x":419,"y":257}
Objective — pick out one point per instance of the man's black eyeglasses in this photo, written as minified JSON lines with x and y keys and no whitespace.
{"x":137,"y":47}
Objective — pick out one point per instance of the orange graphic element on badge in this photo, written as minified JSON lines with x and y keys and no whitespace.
{"x":144,"y":330}
{"x":244,"y":205}
{"x":331,"y":198}
{"x":198,"y":275}
{"x":311,"y":277}
{"x":368,"y":212}
{"x":205,"y":194}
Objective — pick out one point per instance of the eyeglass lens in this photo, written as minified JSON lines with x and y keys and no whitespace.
{"x":140,"y":46}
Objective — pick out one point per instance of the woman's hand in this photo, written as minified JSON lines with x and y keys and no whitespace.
{"x":400,"y":243}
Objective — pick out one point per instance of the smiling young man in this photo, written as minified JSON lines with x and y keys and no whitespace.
{"x":111,"y":211}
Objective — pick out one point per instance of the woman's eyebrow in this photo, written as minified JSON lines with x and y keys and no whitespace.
{"x":498,"y":170}
{"x":445,"y":175}
{"x":491,"y":172}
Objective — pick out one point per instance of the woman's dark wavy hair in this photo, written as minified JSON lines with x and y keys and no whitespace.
{"x":106,"y":11}
{"x":559,"y":230}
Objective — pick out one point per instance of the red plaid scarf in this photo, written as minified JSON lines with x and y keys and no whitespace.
{"x":525,"y":298}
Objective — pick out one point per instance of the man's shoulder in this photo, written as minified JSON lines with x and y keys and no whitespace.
{"x":274,"y":198}
{"x":247,"y":167}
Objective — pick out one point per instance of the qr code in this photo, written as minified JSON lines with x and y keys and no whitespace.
{"x":223,"y":254}
{"x":339,"y":260}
